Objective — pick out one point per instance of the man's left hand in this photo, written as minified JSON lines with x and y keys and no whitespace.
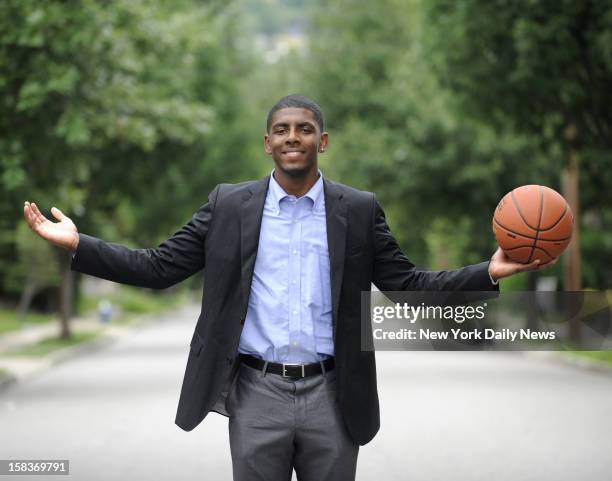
{"x":502,"y":266}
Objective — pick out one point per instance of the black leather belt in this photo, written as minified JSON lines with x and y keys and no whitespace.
{"x":289,"y":370}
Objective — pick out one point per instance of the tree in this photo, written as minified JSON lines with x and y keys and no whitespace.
{"x":543,"y":69}
{"x":98,"y":99}
{"x":395,"y":129}
{"x":33,"y":271}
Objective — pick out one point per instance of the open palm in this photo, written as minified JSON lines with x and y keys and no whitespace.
{"x":502,"y":266}
{"x":62,"y":234}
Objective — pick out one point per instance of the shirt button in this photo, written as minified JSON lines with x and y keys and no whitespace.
{"x":295,"y":251}
{"x":295,"y":343}
{"x":293,"y":281}
{"x":294,"y":313}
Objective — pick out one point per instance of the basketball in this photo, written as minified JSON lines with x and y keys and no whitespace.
{"x":533,"y":222}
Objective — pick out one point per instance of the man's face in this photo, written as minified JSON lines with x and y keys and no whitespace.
{"x":294,"y":141}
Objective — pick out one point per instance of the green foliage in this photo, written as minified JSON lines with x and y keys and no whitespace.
{"x":35,"y":263}
{"x":542,"y":69}
{"x":536,"y":65}
{"x":123,"y":114}
{"x":396,"y":130}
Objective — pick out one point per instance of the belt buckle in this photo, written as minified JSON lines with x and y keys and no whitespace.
{"x":284,"y":374}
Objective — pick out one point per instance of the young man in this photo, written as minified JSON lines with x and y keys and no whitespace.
{"x":277,"y":343}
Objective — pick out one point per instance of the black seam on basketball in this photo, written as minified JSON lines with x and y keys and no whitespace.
{"x":519,"y":210}
{"x":528,"y":236}
{"x":555,"y":240}
{"x":558,"y":220}
{"x":510,"y":230}
{"x":535,"y":241}
{"x":547,"y":253}
{"x":527,"y":246}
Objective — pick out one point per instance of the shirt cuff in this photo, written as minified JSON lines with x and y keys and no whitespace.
{"x":491,"y":277}
{"x":77,"y":247}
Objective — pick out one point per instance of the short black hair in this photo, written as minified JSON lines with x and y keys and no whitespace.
{"x":299,"y":102}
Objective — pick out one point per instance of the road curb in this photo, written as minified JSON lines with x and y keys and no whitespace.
{"x":112,"y":334}
{"x":572,"y":360}
{"x":58,"y":357}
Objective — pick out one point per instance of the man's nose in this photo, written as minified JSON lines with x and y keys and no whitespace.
{"x":292,"y":137}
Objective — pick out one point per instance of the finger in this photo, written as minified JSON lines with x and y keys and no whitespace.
{"x":30,"y":215}
{"x":531,"y":266}
{"x":39,"y":217}
{"x":499,"y":254}
{"x":58,"y":214}
{"x":27,"y":213}
{"x":548,"y":264}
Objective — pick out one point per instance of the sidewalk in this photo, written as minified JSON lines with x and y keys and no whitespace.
{"x":19,"y":368}
{"x":36,"y":332}
{"x":573,"y":360}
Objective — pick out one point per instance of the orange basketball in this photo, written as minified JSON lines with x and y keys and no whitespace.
{"x":533,"y":222}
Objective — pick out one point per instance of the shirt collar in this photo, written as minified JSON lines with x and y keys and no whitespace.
{"x":315,"y":193}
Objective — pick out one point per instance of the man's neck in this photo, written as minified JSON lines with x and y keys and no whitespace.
{"x":297,"y":186}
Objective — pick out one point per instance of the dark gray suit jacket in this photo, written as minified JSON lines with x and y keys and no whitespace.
{"x":222,"y":237}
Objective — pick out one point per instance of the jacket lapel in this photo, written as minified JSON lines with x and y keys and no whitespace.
{"x":250,"y":226}
{"x":336,"y":218}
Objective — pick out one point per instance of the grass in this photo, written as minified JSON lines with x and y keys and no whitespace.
{"x":9,"y":321}
{"x":604,"y":356}
{"x":127,"y":302}
{"x":131,"y":300}
{"x":52,"y":344}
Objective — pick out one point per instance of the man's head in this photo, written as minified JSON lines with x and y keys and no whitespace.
{"x":297,"y":102}
{"x":295,"y":135}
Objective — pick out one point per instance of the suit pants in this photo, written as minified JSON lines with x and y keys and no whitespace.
{"x":277,"y":424}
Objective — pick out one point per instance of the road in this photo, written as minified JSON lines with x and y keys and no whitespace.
{"x":460,"y":416}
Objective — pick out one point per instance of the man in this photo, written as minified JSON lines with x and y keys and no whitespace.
{"x":277,"y":343}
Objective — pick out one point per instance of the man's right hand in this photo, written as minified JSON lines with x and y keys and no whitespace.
{"x":62,"y":234}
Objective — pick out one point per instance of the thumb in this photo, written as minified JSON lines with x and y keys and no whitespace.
{"x":531,"y":266}
{"x":58,"y":214}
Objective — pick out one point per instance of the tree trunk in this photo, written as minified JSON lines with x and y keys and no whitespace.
{"x":25,"y":300}
{"x":572,"y":274}
{"x":532,"y":306}
{"x":66,"y":294}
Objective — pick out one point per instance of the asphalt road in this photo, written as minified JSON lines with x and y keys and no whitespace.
{"x":445,"y":416}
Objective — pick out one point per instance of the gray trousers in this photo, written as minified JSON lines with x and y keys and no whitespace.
{"x":277,"y":425}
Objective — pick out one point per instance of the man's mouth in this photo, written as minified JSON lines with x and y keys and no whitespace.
{"x":293,"y":153}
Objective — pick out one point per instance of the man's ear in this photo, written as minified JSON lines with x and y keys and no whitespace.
{"x":323,"y":142}
{"x":267,"y":147}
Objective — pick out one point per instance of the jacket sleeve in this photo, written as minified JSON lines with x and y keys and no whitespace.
{"x":175,"y":259}
{"x":393,"y":271}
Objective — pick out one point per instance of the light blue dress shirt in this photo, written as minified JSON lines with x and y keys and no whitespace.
{"x":289,"y":316}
